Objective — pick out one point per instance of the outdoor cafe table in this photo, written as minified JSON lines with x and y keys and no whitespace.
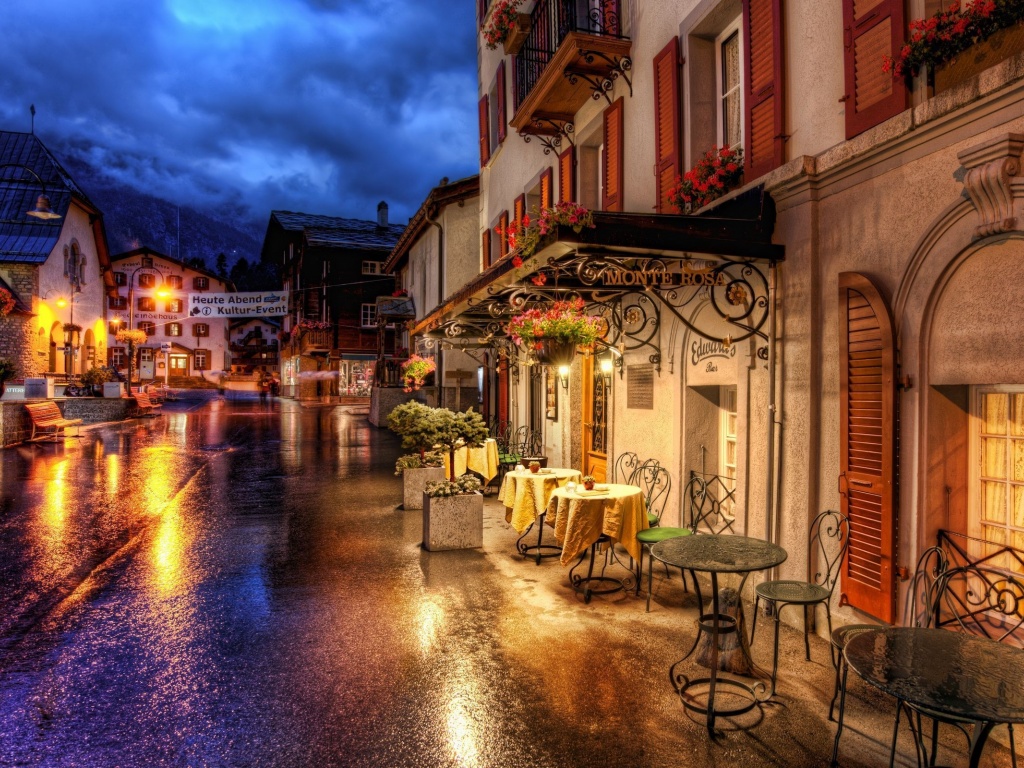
{"x":715,"y":554}
{"x":962,"y":676}
{"x":482,"y":459}
{"x":525,"y":495}
{"x":581,"y":517}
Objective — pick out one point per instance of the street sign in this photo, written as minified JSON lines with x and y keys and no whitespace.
{"x":165,"y":346}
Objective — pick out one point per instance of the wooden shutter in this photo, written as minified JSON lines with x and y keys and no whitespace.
{"x":485,"y":133}
{"x":667,"y":139}
{"x":502,"y":112}
{"x":503,"y":391}
{"x":519,"y":209}
{"x":485,"y":248}
{"x":503,"y":243}
{"x":567,"y":176}
{"x":545,"y":188}
{"x":868,"y":445}
{"x":871,"y":29}
{"x":763,"y":82}
{"x":612,"y":156}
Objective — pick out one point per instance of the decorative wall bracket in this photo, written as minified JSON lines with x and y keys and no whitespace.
{"x":601,"y":80}
{"x":991,"y":166}
{"x":550,"y":130}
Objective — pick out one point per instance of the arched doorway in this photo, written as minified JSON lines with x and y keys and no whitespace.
{"x":56,"y":364}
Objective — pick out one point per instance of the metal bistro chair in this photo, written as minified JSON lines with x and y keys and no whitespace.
{"x":508,"y":455}
{"x":659,"y":484}
{"x":829,"y":538}
{"x":624,"y":467}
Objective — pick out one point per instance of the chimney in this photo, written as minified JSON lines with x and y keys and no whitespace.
{"x":382,"y":214}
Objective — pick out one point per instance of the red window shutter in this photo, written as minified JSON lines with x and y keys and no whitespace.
{"x":519,"y":209}
{"x":503,"y":243}
{"x":567,"y":176}
{"x":871,"y":29}
{"x":485,"y":248}
{"x":612,"y":157}
{"x":545,"y":188}
{"x":867,"y":434}
{"x":485,"y":133}
{"x":667,"y":139}
{"x":763,"y":83}
{"x":502,"y":116}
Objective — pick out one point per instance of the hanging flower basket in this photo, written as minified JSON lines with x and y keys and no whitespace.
{"x":7,"y":302}
{"x":553,"y":352}
{"x":415,"y":371}
{"x":554,"y":333}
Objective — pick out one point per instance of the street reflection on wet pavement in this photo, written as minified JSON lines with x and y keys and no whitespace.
{"x":231,"y":584}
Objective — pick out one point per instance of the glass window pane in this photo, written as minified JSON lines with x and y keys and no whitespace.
{"x":1017,"y":511}
{"x":993,"y":457}
{"x":993,"y":502}
{"x":994,"y":413}
{"x":1017,"y":416}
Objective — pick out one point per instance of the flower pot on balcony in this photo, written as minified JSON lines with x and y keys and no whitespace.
{"x":555,"y":352}
{"x":453,"y":522}
{"x":999,"y":46}
{"x":517,"y":36}
{"x":413,"y":483}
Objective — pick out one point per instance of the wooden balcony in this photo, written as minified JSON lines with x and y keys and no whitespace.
{"x":316,"y":342}
{"x":573,"y":53}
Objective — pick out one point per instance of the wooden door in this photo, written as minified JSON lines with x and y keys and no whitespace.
{"x":595,"y":421}
{"x":868,"y":445}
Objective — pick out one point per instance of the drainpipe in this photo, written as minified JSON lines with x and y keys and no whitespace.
{"x":439,"y":376}
{"x":770,"y":529}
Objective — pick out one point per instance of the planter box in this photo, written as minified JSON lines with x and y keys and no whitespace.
{"x":113,"y":389}
{"x":999,"y":46}
{"x":517,"y":37}
{"x":413,"y":483}
{"x":453,"y":522}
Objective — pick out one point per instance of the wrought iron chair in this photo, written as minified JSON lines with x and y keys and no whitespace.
{"x":918,"y":612}
{"x":508,"y":456}
{"x":829,"y":538}
{"x":625,"y":465}
{"x":710,"y":516}
{"x":658,"y":484}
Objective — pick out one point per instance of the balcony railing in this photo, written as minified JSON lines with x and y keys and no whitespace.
{"x":552,"y":21}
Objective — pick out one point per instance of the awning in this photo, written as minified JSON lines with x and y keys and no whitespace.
{"x":706,"y":271}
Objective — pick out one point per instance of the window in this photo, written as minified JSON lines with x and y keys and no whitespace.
{"x":373,"y":267}
{"x":118,"y":357}
{"x":146,"y":355}
{"x":201,"y":359}
{"x":200,"y":283}
{"x":120,"y":278}
{"x":368,"y":315}
{"x":174,"y":329}
{"x":997,"y":466}
{"x":175,"y":305}
{"x":146,"y":304}
{"x":117,"y":302}
{"x":148,"y":327}
{"x":147,"y":280}
{"x":173,"y":281}
{"x":113,"y":327}
{"x":727,"y":448}
{"x":200,"y":329}
{"x":730,"y":92}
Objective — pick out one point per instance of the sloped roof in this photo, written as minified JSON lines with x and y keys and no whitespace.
{"x":337,"y":232}
{"x":20,"y":307}
{"x":24,"y":239}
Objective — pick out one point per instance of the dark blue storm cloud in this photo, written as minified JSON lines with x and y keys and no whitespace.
{"x":321,"y":106}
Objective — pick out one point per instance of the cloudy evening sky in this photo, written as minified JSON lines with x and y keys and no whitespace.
{"x":321,"y":106}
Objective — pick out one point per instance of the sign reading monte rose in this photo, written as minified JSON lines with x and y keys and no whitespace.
{"x":249,"y":304}
{"x":660,"y":276}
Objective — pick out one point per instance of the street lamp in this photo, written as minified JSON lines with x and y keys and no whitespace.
{"x":42,"y":209}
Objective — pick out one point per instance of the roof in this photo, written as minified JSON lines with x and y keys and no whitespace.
{"x":438,"y":198}
{"x":228,"y":285}
{"x":337,"y":232}
{"x":23,"y":239}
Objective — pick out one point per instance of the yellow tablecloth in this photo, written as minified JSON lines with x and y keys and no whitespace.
{"x":482,"y":459}
{"x":525,"y":494}
{"x":580,"y":520}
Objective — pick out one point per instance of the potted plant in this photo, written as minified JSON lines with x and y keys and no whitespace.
{"x":96,"y":378}
{"x":7,"y":372}
{"x":524,"y":236}
{"x":7,"y":302}
{"x":455,"y":430}
{"x":453,"y":514}
{"x":535,"y":467}
{"x":718,"y":172}
{"x":132,"y":339}
{"x":414,"y":422}
{"x":588,"y":482}
{"x":553,"y":334}
{"x":507,"y":27}
{"x":415,"y":371}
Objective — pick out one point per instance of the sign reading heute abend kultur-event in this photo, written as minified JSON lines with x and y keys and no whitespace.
{"x":249,"y":304}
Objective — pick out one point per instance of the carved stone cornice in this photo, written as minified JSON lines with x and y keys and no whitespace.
{"x":991,"y":167}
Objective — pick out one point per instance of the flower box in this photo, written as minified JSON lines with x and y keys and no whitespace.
{"x":413,"y":483}
{"x":979,"y":57}
{"x":453,"y":522}
{"x":517,"y":35}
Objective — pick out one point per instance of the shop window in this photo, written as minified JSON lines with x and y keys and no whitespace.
{"x":174,"y":329}
{"x":148,"y":327}
{"x":200,"y":329}
{"x":368,"y":315}
{"x":146,"y":304}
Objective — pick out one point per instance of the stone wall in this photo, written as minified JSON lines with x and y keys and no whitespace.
{"x":16,"y":329}
{"x":16,"y":426}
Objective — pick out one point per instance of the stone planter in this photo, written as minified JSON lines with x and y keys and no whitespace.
{"x":453,"y":522}
{"x":517,"y":37}
{"x":413,"y":483}
{"x":113,"y":389}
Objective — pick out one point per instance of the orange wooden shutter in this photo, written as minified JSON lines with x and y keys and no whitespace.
{"x":871,"y":29}
{"x":763,"y":82}
{"x":503,"y":234}
{"x":567,"y":176}
{"x":545,"y":188}
{"x":667,"y":138}
{"x":519,"y":209}
{"x":485,"y":248}
{"x":502,"y":116}
{"x":485,"y":133}
{"x":612,"y":158}
{"x":868,"y":445}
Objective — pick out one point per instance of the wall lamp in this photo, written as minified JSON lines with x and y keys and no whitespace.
{"x":606,"y":372}
{"x":42,"y":209}
{"x":563,"y":375}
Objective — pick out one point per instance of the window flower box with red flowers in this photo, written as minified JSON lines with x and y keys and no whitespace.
{"x":720,"y":171}
{"x":524,"y":237}
{"x":507,"y":27}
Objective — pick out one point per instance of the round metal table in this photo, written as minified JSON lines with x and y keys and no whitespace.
{"x":715,"y":554}
{"x":963,"y":676}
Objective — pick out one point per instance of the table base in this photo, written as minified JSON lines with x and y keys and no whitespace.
{"x":582,"y":583}
{"x":541,"y":549}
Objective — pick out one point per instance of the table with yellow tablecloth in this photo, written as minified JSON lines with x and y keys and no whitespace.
{"x":525,"y":494}
{"x":579,"y":518}
{"x":482,"y":459}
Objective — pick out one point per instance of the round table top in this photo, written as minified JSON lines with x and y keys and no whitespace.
{"x":601,"y":491}
{"x":719,"y":553}
{"x":948,"y":672}
{"x":556,"y":472}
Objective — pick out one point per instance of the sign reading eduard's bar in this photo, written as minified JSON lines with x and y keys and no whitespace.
{"x":661,"y":276}
{"x":249,"y":304}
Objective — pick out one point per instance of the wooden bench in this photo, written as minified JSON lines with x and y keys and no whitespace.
{"x":46,"y":417}
{"x":155,"y":396}
{"x":146,"y":406}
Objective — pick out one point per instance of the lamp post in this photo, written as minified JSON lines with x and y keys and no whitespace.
{"x":42,"y":208}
